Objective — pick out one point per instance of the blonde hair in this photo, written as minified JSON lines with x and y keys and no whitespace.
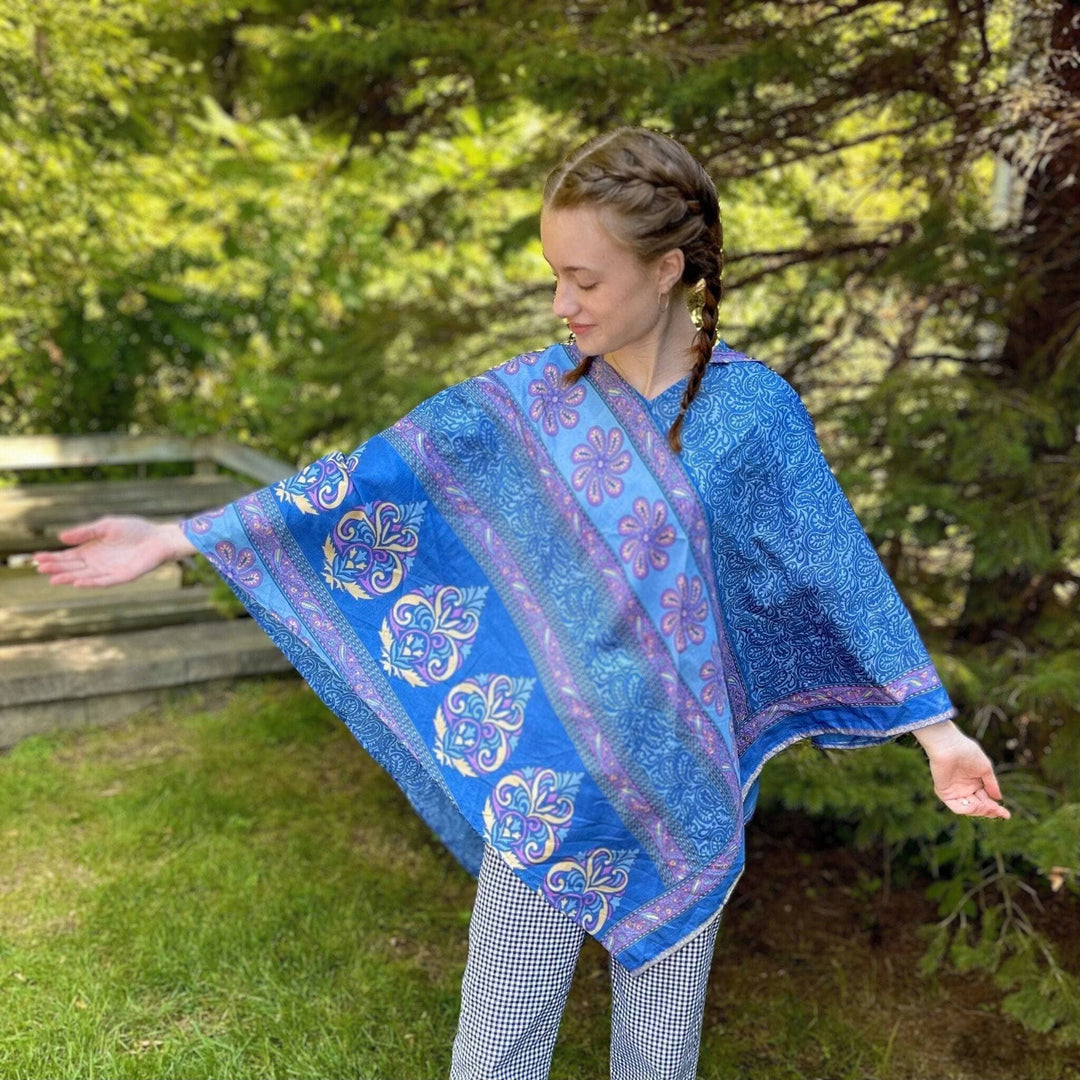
{"x":661,"y":198}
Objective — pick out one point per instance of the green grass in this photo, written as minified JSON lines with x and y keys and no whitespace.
{"x":240,"y":892}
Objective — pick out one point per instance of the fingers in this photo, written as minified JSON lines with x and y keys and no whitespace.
{"x":98,"y":581}
{"x":77,"y":534}
{"x":989,"y":781}
{"x":68,"y":578}
{"x":48,"y":561}
{"x":63,"y":573}
{"x":977,"y":804}
{"x":84,"y":580}
{"x":69,"y":568}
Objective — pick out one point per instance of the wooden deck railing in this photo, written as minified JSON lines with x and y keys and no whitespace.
{"x":72,"y":656}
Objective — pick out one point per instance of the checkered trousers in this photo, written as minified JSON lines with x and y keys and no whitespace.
{"x":522,"y":955}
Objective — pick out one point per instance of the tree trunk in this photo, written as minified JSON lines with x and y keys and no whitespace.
{"x":1039,"y":354}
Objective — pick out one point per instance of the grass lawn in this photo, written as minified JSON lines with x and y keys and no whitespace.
{"x":231,"y":888}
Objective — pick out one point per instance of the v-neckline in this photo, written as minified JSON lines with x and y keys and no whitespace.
{"x":663,"y":393}
{"x":575,"y":355}
{"x":625,"y":382}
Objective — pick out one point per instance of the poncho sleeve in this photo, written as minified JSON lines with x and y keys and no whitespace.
{"x":823,"y":645}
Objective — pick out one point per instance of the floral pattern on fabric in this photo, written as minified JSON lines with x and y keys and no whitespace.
{"x":554,"y":405}
{"x":685,"y":611}
{"x":712,"y":672}
{"x":513,"y":365}
{"x":240,"y":564}
{"x":600,"y":460}
{"x":322,"y":485}
{"x":529,"y":812}
{"x":590,"y":888}
{"x":647,"y":533}
{"x":203,"y":523}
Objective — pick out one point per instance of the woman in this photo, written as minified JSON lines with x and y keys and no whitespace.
{"x":573,"y":605}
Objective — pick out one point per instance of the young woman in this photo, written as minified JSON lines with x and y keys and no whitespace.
{"x":573,"y":605}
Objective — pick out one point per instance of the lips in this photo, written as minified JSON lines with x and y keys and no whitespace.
{"x":577,"y":329}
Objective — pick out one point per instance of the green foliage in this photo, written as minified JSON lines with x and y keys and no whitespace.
{"x":982,"y":870}
{"x":288,"y":221}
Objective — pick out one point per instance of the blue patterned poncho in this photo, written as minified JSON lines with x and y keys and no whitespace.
{"x":562,"y":639}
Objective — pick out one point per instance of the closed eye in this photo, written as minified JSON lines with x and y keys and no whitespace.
{"x":583,"y":288}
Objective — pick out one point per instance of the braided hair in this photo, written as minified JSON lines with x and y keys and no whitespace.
{"x":662,"y":198}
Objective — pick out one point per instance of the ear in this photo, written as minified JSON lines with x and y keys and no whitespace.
{"x":669,"y":269}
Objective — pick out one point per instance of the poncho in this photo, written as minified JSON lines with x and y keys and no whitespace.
{"x":563,"y":639}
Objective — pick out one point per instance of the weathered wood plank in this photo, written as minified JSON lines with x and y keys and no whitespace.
{"x":43,"y":504}
{"x":246,"y":460}
{"x":20,"y":721}
{"x":105,"y":614}
{"x":31,"y":515}
{"x":74,"y":451}
{"x":141,"y":660}
{"x":26,"y":586}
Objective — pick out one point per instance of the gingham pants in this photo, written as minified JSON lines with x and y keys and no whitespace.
{"x":522,"y":954}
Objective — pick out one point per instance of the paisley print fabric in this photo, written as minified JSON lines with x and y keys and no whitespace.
{"x":528,"y":814}
{"x":372,"y":547}
{"x":589,"y":889}
{"x":430,"y":631}
{"x":322,"y":485}
{"x":480,"y":722}
{"x":566,"y":641}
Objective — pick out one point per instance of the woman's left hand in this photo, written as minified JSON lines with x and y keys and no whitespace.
{"x":963,"y":776}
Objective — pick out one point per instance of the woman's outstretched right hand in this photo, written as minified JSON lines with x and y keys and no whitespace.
{"x":109,"y":551}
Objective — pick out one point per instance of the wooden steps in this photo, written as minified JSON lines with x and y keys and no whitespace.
{"x":33,"y":610}
{"x":75,"y":618}
{"x":73,"y":656}
{"x":100,"y":677}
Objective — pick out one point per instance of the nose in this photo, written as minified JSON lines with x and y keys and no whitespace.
{"x":564,"y":303}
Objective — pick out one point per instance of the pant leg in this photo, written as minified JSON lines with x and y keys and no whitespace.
{"x":656,"y":1015}
{"x":522,"y":955}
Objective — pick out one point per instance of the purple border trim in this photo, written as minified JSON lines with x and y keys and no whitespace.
{"x":895,"y":692}
{"x":622,"y":791}
{"x":672,"y":903}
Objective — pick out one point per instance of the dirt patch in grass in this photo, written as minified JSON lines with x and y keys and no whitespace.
{"x":37,"y":875}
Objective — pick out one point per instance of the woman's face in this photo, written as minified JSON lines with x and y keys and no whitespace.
{"x":607,"y":296}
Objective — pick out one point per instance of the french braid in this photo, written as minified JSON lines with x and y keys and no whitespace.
{"x":662,"y":198}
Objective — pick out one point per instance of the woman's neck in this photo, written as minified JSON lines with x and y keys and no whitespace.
{"x":661,"y":358}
